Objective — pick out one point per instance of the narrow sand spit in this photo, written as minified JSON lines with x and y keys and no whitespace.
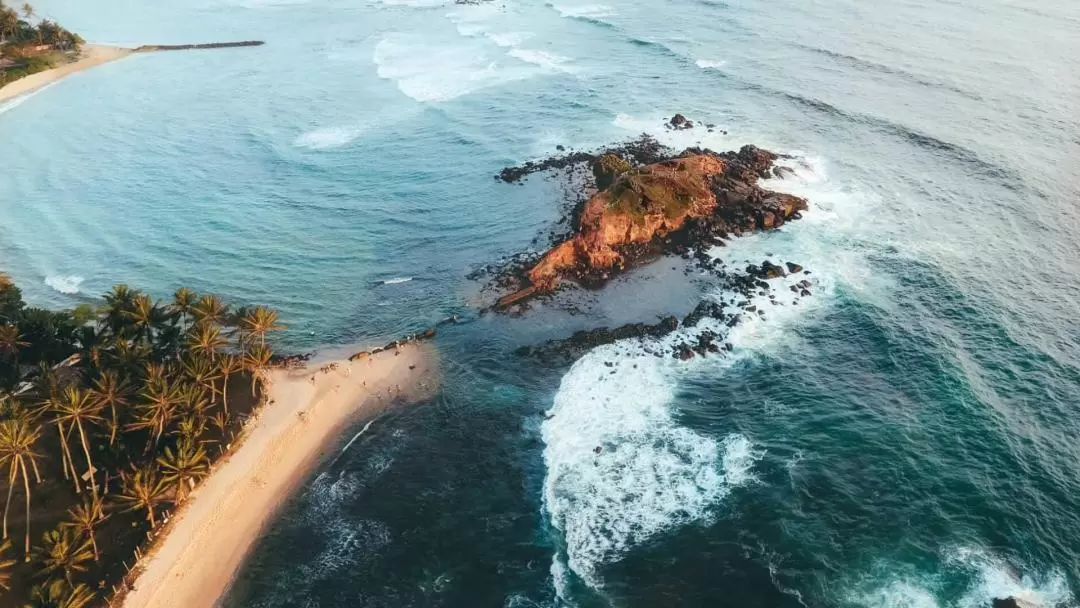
{"x":206,"y":542}
{"x":92,"y":55}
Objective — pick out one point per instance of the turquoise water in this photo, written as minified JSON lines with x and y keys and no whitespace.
{"x":906,"y":437}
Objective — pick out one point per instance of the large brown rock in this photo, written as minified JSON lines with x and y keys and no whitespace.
{"x":692,"y":198}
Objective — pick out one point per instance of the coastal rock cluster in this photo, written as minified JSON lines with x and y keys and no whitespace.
{"x":742,"y":288}
{"x":643,"y":200}
{"x":651,"y":201}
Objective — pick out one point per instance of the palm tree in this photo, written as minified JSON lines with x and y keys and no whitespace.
{"x":155,"y":373}
{"x":112,"y":391}
{"x":259,"y":321}
{"x":191,"y":426}
{"x":256,"y":360}
{"x":5,"y":565}
{"x":85,"y":517}
{"x":193,"y":398}
{"x":63,"y":550}
{"x":210,"y":310}
{"x":203,"y":373}
{"x":227,"y":366}
{"x":17,"y":439}
{"x":145,"y":315}
{"x":11,"y":342}
{"x":78,"y":408}
{"x":156,"y":411}
{"x":183,"y":467}
{"x":9,"y":22}
{"x":222,"y":420}
{"x":144,"y":489}
{"x":118,"y":303}
{"x":59,"y":593}
{"x":183,"y":301}
{"x":205,"y":339}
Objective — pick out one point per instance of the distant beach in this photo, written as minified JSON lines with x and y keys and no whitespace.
{"x":91,"y":55}
{"x":306,"y":409}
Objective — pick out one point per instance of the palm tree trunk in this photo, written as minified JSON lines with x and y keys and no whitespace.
{"x":26,"y":488}
{"x":11,"y":488}
{"x":37,"y":473}
{"x":150,"y":515}
{"x":89,"y":463}
{"x":93,"y":543}
{"x":67,"y":453}
{"x":225,"y":394}
{"x":63,"y":453}
{"x":115,"y":423}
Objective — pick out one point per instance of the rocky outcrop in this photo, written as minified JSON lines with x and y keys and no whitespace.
{"x":1012,"y":602}
{"x":691,"y":199}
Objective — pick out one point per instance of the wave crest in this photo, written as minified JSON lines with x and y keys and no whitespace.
{"x":620,"y":469}
{"x":64,"y":284}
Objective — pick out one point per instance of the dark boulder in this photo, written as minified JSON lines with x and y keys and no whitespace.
{"x":1012,"y":602}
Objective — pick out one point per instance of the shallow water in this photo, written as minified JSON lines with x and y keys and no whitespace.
{"x":905,"y":437}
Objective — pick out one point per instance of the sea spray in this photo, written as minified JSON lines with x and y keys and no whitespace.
{"x":620,"y":469}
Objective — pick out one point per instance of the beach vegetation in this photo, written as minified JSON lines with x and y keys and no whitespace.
{"x":29,"y":44}
{"x":110,"y":416}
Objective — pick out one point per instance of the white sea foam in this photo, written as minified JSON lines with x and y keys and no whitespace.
{"x":64,"y":284}
{"x":508,"y":39}
{"x":548,"y":61}
{"x":981,"y":577}
{"x":585,"y":11}
{"x":433,"y":72}
{"x":620,"y":469}
{"x":397,"y":280}
{"x":992,"y":577}
{"x":11,"y":104}
{"x":329,"y":137}
{"x":713,"y":64}
{"x":415,"y":3}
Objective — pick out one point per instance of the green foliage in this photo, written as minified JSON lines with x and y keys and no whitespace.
{"x":121,"y":399}
{"x":21,"y":40}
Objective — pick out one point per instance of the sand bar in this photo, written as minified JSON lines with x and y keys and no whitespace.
{"x":91,"y":55}
{"x":195,"y":562}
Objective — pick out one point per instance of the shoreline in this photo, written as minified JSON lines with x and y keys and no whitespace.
{"x":91,"y":55}
{"x":197,"y":556}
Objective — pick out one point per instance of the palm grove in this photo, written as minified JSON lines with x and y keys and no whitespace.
{"x":30,"y":43}
{"x":110,"y":415}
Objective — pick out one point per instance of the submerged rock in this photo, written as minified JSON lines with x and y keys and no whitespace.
{"x":1012,"y":602}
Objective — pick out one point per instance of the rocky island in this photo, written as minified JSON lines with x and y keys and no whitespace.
{"x":673,"y":202}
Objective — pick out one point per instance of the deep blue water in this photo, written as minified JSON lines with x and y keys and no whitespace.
{"x":906,"y":437}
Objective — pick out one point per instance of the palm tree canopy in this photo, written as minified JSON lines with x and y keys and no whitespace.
{"x":63,"y":551}
{"x":58,"y":593}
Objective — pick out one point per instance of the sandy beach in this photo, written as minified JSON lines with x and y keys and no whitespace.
{"x":307,"y":410}
{"x":92,"y":55}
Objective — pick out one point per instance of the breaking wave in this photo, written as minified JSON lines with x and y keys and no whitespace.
{"x":707,"y":64}
{"x":433,"y":72}
{"x":968,"y":578}
{"x":64,"y":284}
{"x":620,"y":469}
{"x":329,"y":137}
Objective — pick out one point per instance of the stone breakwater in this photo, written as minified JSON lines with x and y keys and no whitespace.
{"x":151,"y":48}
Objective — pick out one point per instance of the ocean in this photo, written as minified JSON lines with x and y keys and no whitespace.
{"x":906,"y":437}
